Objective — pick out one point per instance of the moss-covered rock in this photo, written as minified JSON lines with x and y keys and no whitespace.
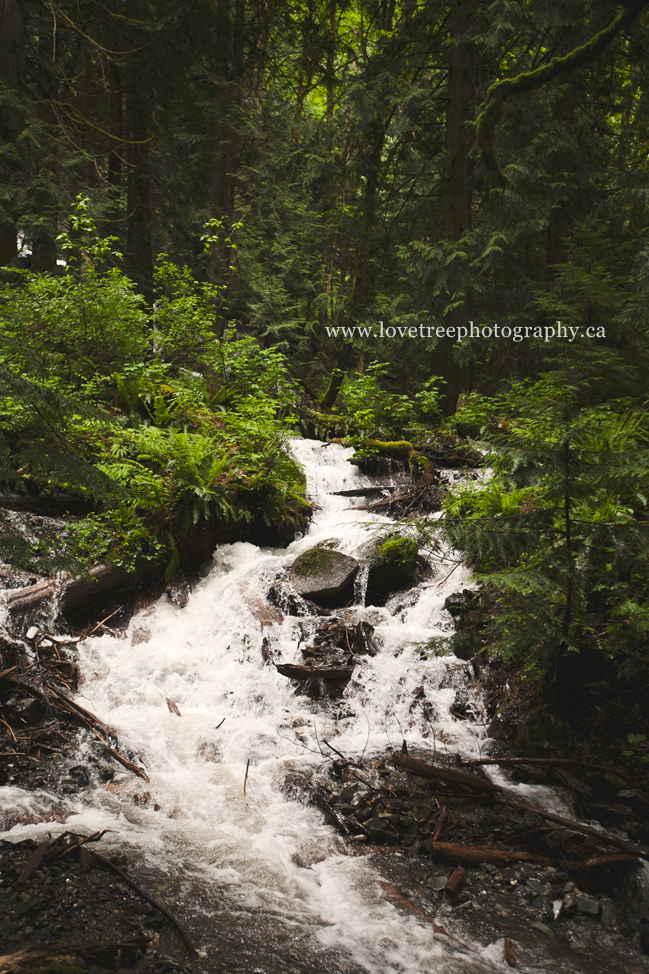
{"x":323,"y":575}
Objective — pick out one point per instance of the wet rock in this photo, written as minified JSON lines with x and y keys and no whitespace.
{"x":609,"y":913}
{"x":364,"y":641}
{"x":31,"y":710}
{"x":321,"y":575}
{"x":588,"y":905}
{"x":377,"y":825}
{"x":543,"y":904}
{"x":569,"y":901}
{"x":402,"y":600}
{"x":438,"y":882}
{"x":179,"y":589}
{"x":460,"y":602}
{"x":291,"y":604}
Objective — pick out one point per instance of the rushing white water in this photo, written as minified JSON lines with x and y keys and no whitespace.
{"x":261,"y":875}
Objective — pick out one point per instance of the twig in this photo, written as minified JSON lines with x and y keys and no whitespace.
{"x":149,"y":899}
{"x":7,"y":725}
{"x":95,"y":837}
{"x":100,"y":624}
{"x":245,"y":780}
{"x":332,"y":748}
{"x":126,"y":763}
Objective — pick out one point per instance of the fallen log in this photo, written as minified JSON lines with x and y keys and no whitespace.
{"x":426,"y":770}
{"x":600,"y":835}
{"x":72,"y":592}
{"x":490,"y":854}
{"x":298,"y":672}
{"x":362,"y":491}
{"x":398,"y":496}
{"x":512,"y":762}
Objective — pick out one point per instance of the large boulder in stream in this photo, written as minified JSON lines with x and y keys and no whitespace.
{"x":324,"y":576}
{"x":393,"y":566}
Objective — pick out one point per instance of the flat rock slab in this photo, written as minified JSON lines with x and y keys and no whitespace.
{"x":321,"y":573}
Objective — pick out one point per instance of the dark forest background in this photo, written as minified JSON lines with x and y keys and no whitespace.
{"x":193,"y":194}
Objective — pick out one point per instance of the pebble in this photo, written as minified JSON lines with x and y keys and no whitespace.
{"x":543,"y":927}
{"x":609,"y":913}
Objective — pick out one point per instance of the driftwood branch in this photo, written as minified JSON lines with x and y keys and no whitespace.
{"x":599,"y":834}
{"x":426,"y":770}
{"x":453,"y":851}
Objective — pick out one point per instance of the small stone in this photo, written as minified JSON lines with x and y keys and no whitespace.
{"x":543,"y":927}
{"x":32,"y":632}
{"x":609,"y":913}
{"x":544,"y":905}
{"x":570,"y":900}
{"x":536,"y":886}
{"x":438,"y":882}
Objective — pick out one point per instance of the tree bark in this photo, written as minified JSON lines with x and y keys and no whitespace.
{"x":220,"y":188}
{"x":456,"y":202}
{"x":114,"y":162}
{"x":139,"y":244}
{"x":12,"y":73}
{"x":457,"y":195}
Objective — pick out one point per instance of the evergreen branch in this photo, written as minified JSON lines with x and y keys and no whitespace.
{"x":492,"y":109}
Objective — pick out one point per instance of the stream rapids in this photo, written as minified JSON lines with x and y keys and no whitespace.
{"x":258,"y":878}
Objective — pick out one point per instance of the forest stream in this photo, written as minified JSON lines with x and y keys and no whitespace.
{"x":257,"y":877}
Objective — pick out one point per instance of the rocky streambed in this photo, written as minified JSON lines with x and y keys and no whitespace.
{"x":282,"y":763}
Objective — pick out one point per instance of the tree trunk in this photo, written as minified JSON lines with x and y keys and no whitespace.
{"x":456,"y":200}
{"x":220,"y":189}
{"x":44,"y":205}
{"x":114,"y":162}
{"x":12,"y":74}
{"x":559,"y":223}
{"x":139,"y":245}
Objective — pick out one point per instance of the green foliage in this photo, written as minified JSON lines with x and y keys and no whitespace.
{"x":63,"y":331}
{"x":559,"y":534}
{"x":119,"y":536}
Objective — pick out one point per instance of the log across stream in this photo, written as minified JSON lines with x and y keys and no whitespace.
{"x":260,"y":879}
